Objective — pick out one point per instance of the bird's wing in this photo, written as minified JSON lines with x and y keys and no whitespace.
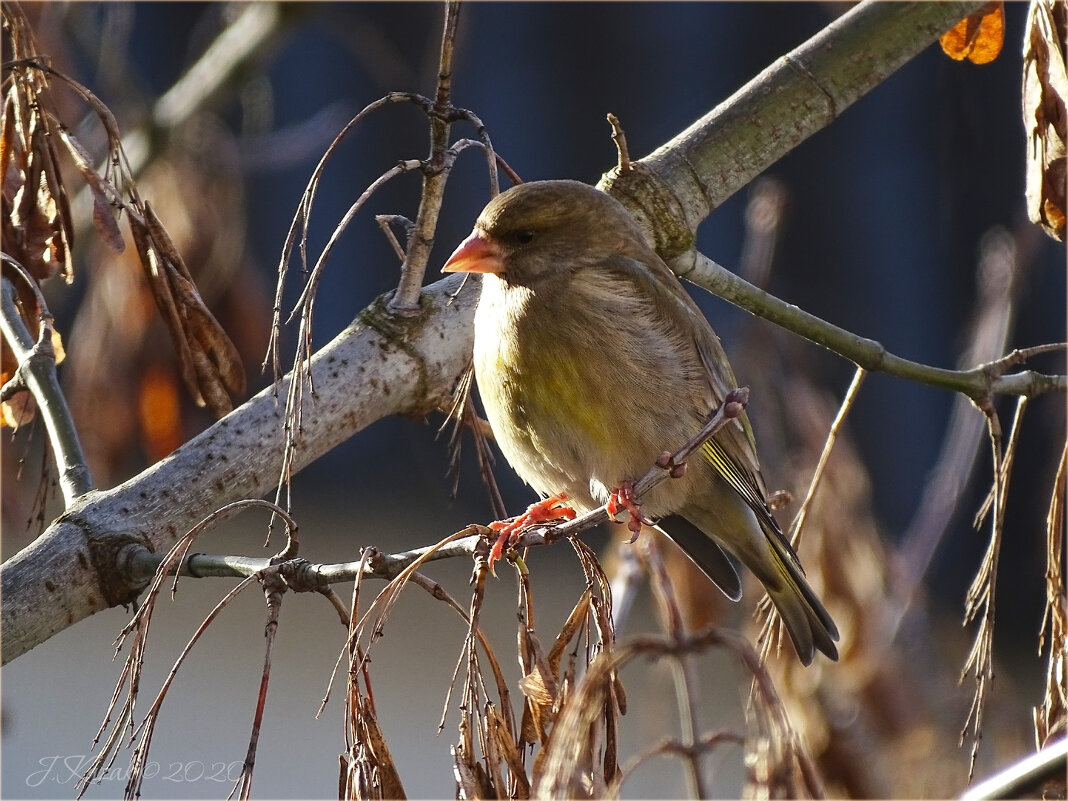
{"x":733,"y":450}
{"x":704,"y":552}
{"x":657,"y":282}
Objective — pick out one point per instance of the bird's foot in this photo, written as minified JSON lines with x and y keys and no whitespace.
{"x":623,"y":498}
{"x":551,"y":510}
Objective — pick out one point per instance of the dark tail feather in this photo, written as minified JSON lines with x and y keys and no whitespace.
{"x":703,"y":552}
{"x":806,"y":619}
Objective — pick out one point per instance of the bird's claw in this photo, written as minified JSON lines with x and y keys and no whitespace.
{"x":623,"y":498}
{"x":550,"y":510}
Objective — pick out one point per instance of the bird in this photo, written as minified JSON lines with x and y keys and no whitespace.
{"x":592,"y":360}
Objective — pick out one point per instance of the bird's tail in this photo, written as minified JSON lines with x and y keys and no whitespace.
{"x":804,"y":615}
{"x":759,"y":543}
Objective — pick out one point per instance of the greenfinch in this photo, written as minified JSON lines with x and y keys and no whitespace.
{"x":591,"y":361}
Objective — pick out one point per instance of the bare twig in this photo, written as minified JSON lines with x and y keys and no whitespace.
{"x":682,"y":674}
{"x":832,"y":437}
{"x":620,"y":138}
{"x":708,"y":742}
{"x":980,"y":600}
{"x":771,"y":626}
{"x":139,"y":626}
{"x":385,"y":221}
{"x":464,"y":415}
{"x":243,"y":39}
{"x":302,"y":218}
{"x":1025,"y":778}
{"x":406,"y":299}
{"x":1051,"y":717}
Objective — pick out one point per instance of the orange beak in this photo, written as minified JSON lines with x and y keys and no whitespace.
{"x":475,"y":255}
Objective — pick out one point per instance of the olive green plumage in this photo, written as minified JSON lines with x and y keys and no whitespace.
{"x":591,"y":360}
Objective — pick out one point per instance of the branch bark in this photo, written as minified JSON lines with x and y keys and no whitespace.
{"x":380,"y":365}
{"x":676,"y":186}
{"x":384,"y":364}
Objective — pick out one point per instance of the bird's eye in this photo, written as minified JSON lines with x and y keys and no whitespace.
{"x":524,"y":237}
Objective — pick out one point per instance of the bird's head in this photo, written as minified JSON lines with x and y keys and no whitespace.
{"x":540,"y":229}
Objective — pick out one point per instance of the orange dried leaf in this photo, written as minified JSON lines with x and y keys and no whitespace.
{"x":978,"y":37}
{"x":18,"y":410}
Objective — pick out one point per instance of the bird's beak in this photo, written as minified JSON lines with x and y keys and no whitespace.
{"x":475,"y":255}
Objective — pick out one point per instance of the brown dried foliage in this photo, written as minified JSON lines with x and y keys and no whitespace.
{"x":1051,"y":717}
{"x":1045,"y":93}
{"x":571,"y":698}
{"x":38,"y":227}
{"x":35,"y":220}
{"x":889,"y":743}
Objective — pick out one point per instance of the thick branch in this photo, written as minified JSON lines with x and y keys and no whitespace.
{"x":378,"y":366}
{"x":801,"y":93}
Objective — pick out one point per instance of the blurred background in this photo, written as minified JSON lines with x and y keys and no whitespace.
{"x":884,"y":221}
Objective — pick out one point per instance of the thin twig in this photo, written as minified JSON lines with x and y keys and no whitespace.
{"x":405,"y":300}
{"x":1024,"y":778}
{"x":999,"y":262}
{"x":980,"y":600}
{"x":681,"y":669}
{"x":620,"y":138}
{"x":821,"y":465}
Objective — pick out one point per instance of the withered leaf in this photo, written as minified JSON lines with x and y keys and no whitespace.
{"x":506,"y":747}
{"x":535,"y":686}
{"x":571,"y":627}
{"x":368,"y":770}
{"x":1045,"y":93}
{"x":539,"y":687}
{"x":35,"y":215}
{"x":209,"y":362}
{"x":105,"y":216}
{"x":978,"y":37}
{"x":471,"y":778}
{"x":18,"y":410}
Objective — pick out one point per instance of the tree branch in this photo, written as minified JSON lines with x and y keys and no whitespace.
{"x":801,"y":93}
{"x":376,"y":367}
{"x":978,"y":382}
{"x":37,"y":371}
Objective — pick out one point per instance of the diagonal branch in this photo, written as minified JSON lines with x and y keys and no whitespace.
{"x":676,"y":186}
{"x":978,"y":382}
